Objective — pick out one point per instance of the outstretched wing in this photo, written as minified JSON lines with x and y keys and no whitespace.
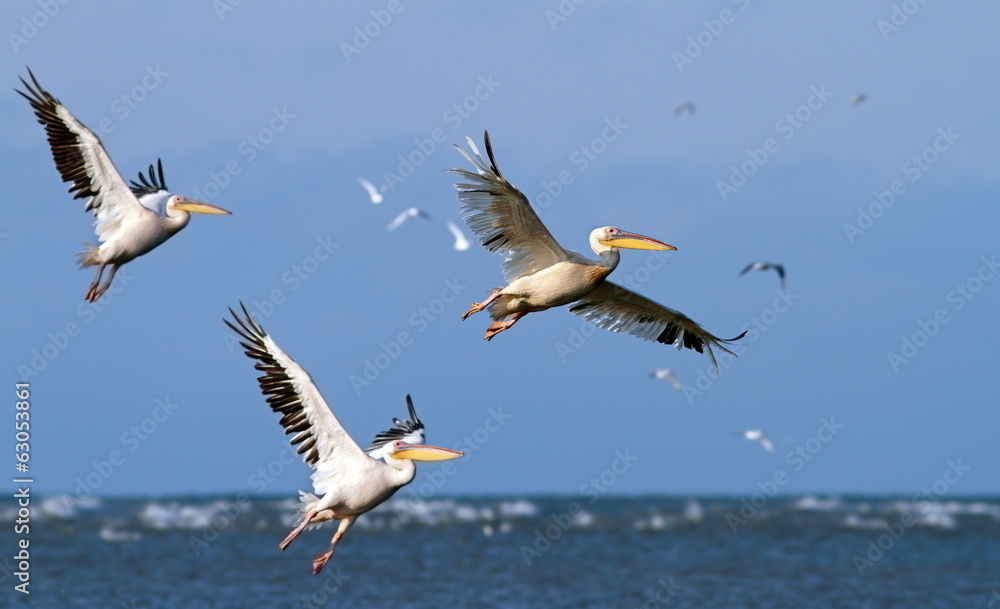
{"x":614,"y":308}
{"x":411,"y":432}
{"x":81,"y":160}
{"x":500,"y":215}
{"x":324,"y":443}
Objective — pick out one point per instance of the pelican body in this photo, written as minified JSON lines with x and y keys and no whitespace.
{"x":541,"y":274}
{"x":130,"y":219}
{"x":347,"y":481}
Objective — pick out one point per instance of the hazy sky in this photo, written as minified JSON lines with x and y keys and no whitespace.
{"x":887,"y":334}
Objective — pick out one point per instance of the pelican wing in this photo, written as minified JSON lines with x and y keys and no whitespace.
{"x":411,"y":432}
{"x":614,"y":308}
{"x":500,"y":215}
{"x":323,"y":442}
{"x":81,"y":159}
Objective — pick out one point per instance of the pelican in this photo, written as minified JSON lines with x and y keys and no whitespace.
{"x":130,"y":219}
{"x":766,"y":266}
{"x":347,"y":481}
{"x":541,"y":274}
{"x":373,"y":193}
{"x":461,"y":243}
{"x":412,"y":212}
{"x":756,"y":435}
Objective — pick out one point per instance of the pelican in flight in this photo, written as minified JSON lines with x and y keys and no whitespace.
{"x":766,"y":266}
{"x":347,"y":481}
{"x":541,"y":274}
{"x":130,"y":219}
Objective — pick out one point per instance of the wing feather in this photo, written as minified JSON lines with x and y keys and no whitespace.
{"x":323,"y":442}
{"x":617,"y":309}
{"x":502,"y":218}
{"x":81,"y":159}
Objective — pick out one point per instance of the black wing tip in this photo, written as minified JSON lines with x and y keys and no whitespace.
{"x":489,"y":153}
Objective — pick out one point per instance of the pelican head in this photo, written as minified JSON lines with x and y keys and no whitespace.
{"x":608,"y":238}
{"x":419,"y":452}
{"x":190,"y":205}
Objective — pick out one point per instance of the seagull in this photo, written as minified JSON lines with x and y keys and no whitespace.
{"x":757,"y":435}
{"x":858,"y":98}
{"x":412,"y":212}
{"x":373,"y":192}
{"x":765,"y":266}
{"x":349,"y":481}
{"x":684,"y":107}
{"x":668,"y":375}
{"x":461,"y":243}
{"x":130,"y":219}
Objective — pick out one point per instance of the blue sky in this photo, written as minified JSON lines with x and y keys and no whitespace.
{"x":272,"y":111}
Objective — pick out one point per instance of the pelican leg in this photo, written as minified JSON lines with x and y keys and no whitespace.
{"x":297,"y":531}
{"x":479,"y":306}
{"x":93,"y":286}
{"x":499,"y":326}
{"x":321,"y":559}
{"x":107,"y":284}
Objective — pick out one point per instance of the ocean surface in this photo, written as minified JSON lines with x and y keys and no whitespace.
{"x":513,"y":552}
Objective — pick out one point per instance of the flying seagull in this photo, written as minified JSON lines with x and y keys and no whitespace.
{"x":757,"y":435}
{"x":373,"y":193}
{"x":668,"y":375}
{"x":461,"y":243}
{"x":765,"y":266}
{"x":412,"y":212}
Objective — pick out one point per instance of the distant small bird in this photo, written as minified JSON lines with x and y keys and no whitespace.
{"x":765,"y":266}
{"x":684,"y":107}
{"x":412,"y":212}
{"x":461,"y":243}
{"x":668,"y":375}
{"x":757,"y":435}
{"x":373,"y":192}
{"x":858,"y":99}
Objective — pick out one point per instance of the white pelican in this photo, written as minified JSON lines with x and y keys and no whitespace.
{"x":542,"y":275}
{"x":756,"y":435}
{"x":666,"y":374}
{"x":461,"y":243}
{"x":130,"y":220}
{"x":765,"y":266}
{"x":412,"y":212}
{"x":373,"y":193}
{"x":347,"y":480}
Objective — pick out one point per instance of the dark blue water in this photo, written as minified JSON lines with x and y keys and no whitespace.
{"x":545,"y":552}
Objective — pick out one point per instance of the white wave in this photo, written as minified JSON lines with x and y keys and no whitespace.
{"x":809,"y":502}
{"x":853,"y":521}
{"x":517,"y":509}
{"x":114,"y":535}
{"x":175,"y":515}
